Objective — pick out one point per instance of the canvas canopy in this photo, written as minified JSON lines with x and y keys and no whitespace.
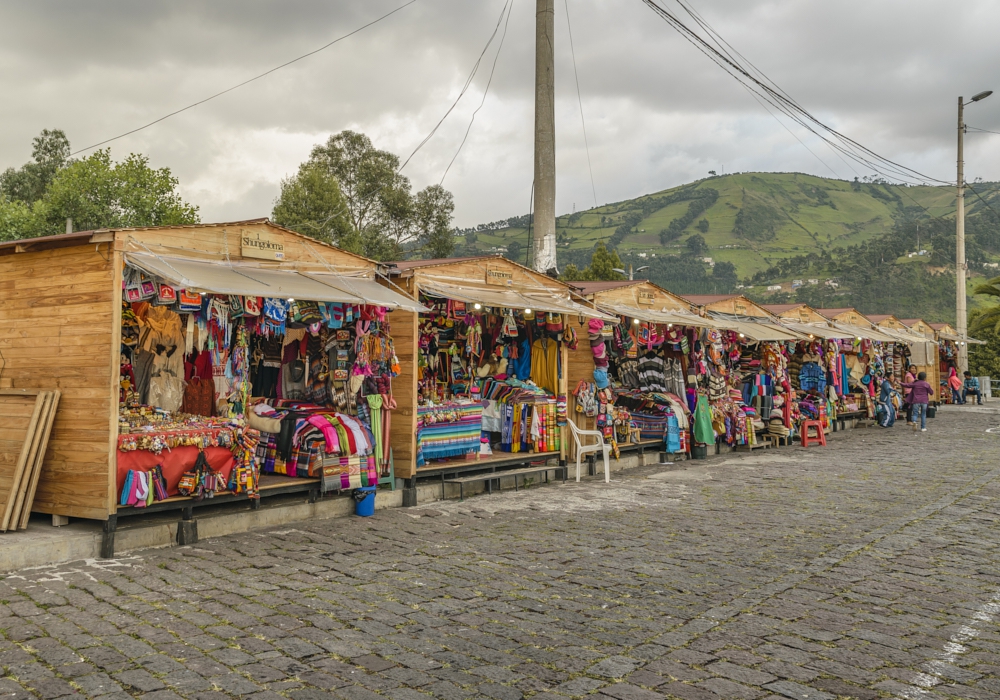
{"x":760,"y":331}
{"x":678,"y":318}
{"x":508,"y":298}
{"x":220,"y":277}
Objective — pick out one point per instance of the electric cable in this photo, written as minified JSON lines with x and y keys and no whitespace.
{"x":468,"y":82}
{"x":485,"y":93}
{"x":245,"y":82}
{"x":579,"y":99}
{"x":775,"y":96}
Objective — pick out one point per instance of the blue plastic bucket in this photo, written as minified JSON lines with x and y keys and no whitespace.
{"x":364,"y":501}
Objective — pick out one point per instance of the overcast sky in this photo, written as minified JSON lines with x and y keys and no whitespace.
{"x":658,"y":113}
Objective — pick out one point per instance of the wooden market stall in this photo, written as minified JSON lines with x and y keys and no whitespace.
{"x":61,"y":326}
{"x":635,"y":300}
{"x":925,"y":355}
{"x":487,"y":289}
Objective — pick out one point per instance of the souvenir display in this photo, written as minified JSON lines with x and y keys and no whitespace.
{"x":220,"y":391}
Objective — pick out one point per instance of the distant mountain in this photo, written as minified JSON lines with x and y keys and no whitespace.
{"x":773,"y":227}
{"x":754,"y":220}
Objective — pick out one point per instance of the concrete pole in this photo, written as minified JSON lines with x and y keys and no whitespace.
{"x":544,"y":243}
{"x":960,"y":312}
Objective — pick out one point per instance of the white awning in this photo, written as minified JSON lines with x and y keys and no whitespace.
{"x":508,"y":298}
{"x":249,"y":280}
{"x":867,"y":333}
{"x":677,"y":318}
{"x":763,"y":331}
{"x":368,"y":289}
{"x":819,"y":330}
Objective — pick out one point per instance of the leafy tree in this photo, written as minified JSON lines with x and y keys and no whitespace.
{"x":703,"y":226}
{"x":571,"y":273}
{"x":696,"y":245}
{"x":380,"y":206}
{"x":984,"y":360}
{"x":603,"y":262}
{"x":514,"y":251}
{"x":311,"y":203}
{"x":724,"y":277}
{"x":98,"y":193}
{"x":49,"y":153}
{"x":16,"y":221}
{"x":988,"y":320}
{"x":433,"y":208}
{"x":471,"y":238}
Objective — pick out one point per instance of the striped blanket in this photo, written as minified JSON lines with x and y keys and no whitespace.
{"x":448,"y":431}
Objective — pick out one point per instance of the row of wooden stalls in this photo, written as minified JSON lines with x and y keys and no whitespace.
{"x":231,"y":362}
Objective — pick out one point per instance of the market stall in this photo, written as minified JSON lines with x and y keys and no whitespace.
{"x":207,"y":361}
{"x":925,"y":355}
{"x":629,"y":380}
{"x":483,"y":373}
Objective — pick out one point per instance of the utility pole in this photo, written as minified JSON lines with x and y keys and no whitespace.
{"x":544,"y":242}
{"x":960,"y":313}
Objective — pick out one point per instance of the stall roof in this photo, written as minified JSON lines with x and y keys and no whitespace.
{"x":868,"y":333}
{"x":679,"y":318}
{"x":820,"y":330}
{"x":878,"y":318}
{"x":831,"y":313}
{"x":508,"y":298}
{"x":781,"y":308}
{"x":756,"y":328}
{"x":404,"y":265}
{"x":586,"y":288}
{"x":253,"y":280}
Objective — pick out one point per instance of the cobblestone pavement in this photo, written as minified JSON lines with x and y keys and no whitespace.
{"x":866,"y":569}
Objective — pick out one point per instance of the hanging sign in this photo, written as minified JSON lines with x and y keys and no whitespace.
{"x":645,"y":297}
{"x":499,"y":276}
{"x":261,"y":245}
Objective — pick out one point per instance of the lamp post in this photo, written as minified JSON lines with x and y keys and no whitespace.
{"x":631,"y":272}
{"x":961,"y":319}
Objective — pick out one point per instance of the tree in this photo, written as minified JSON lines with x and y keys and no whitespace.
{"x":696,"y":245}
{"x":571,"y":273}
{"x":98,"y":193}
{"x":703,"y":226}
{"x":378,"y":197}
{"x":433,"y":208}
{"x":514,"y":251}
{"x":312,"y":204}
{"x":603,"y":262}
{"x":50,"y":153}
{"x":724,"y":277}
{"x":984,"y":360}
{"x":988,"y":320}
{"x":16,"y":221}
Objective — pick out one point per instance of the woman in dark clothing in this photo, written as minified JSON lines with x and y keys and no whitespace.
{"x":920,"y":395}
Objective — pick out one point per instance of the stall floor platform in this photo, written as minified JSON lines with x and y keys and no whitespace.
{"x":493,"y":462}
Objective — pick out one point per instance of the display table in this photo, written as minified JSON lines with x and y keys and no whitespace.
{"x":448,"y":430}
{"x":174,"y":463}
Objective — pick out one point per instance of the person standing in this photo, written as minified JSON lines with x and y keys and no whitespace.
{"x":955,"y":384}
{"x":920,"y":395}
{"x":909,"y":378}
{"x":972,"y":387}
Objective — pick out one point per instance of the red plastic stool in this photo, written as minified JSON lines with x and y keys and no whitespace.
{"x":804,"y":433}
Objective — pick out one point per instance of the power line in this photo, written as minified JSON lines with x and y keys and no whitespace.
{"x":465,"y":88}
{"x":245,"y":82}
{"x":485,"y":93}
{"x":774,"y":95}
{"x":579,"y":99}
{"x":985,"y":131}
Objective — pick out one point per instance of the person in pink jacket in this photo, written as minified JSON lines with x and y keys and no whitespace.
{"x":920,"y":395}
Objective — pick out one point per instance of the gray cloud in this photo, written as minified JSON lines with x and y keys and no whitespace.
{"x":658,"y":112}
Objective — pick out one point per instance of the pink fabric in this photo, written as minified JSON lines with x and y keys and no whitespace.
{"x":329,"y":432}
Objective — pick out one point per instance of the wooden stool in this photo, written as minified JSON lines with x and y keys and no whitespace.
{"x":804,"y":433}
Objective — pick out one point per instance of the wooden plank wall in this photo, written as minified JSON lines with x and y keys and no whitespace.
{"x":580,"y":367}
{"x":403,"y":431}
{"x":58,"y":313}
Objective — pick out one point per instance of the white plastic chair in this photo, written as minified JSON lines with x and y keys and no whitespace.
{"x":599,"y":446}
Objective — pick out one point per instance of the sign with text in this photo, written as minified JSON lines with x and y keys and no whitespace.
{"x":739,"y":307}
{"x":262,"y":245}
{"x":498,"y":275}
{"x":646,"y":297}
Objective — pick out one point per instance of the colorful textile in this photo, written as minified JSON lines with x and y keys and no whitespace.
{"x":451,"y":430}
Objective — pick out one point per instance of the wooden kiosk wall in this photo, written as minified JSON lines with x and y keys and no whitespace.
{"x":580,"y":362}
{"x":800,"y":314}
{"x":60,"y":328}
{"x":60,"y":321}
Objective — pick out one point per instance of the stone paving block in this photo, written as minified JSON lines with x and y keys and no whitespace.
{"x":797,"y":691}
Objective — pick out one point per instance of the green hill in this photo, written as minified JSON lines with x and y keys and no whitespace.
{"x":783,"y":215}
{"x":776,"y":227}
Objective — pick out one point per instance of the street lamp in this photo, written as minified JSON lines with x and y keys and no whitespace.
{"x":960,"y":312}
{"x":631,"y":272}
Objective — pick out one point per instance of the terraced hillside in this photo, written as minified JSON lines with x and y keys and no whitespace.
{"x":750,"y":219}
